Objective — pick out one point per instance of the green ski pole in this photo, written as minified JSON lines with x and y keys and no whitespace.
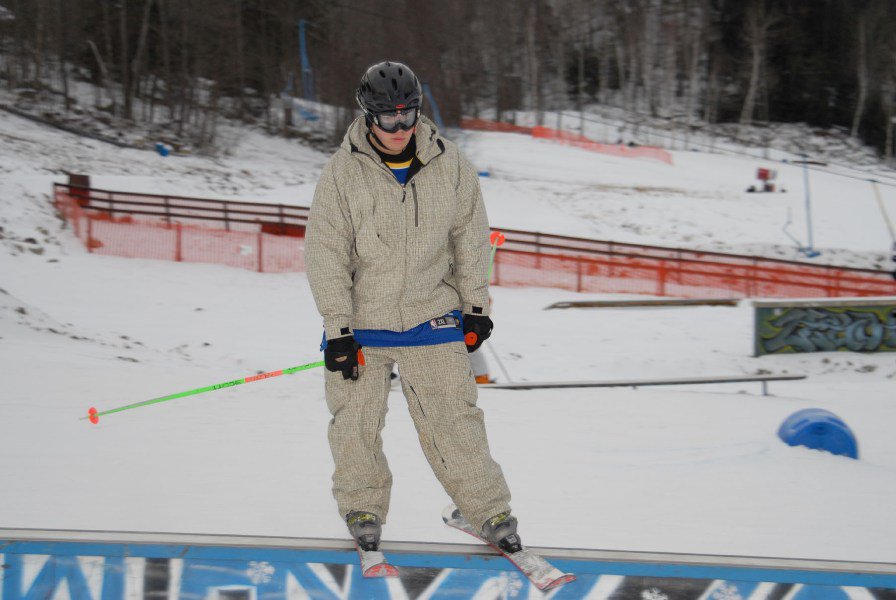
{"x":497,"y":239}
{"x":94,"y":415}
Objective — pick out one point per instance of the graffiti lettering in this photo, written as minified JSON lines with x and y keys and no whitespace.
{"x":37,"y":577}
{"x":796,"y":329}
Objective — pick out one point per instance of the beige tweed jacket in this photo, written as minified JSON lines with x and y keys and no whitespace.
{"x":385,"y":256}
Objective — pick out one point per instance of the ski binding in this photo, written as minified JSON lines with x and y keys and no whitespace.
{"x":540,"y":572}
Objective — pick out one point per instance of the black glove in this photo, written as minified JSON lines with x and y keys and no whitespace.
{"x":477,"y":329}
{"x":341,"y":354}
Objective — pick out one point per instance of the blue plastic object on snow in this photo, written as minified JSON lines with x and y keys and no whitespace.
{"x":162,"y":149}
{"x":819,"y":429}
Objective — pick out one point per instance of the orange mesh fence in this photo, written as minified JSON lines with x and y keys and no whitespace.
{"x":680,"y":278}
{"x":485,"y":125}
{"x":273,"y":244}
{"x":570,"y":139}
{"x":580,"y":141}
{"x":132,"y":237}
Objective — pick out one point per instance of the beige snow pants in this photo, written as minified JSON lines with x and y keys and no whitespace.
{"x":441,"y":396}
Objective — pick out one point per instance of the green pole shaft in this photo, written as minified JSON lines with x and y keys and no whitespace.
{"x":491,"y":261}
{"x":208,"y":388}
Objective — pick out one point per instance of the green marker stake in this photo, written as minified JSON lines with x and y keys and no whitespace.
{"x":94,"y":415}
{"x":497,"y":239}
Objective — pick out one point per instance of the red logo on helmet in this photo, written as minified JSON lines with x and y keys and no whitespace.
{"x":399,"y":106}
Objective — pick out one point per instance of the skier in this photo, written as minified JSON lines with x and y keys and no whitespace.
{"x":397,"y":249}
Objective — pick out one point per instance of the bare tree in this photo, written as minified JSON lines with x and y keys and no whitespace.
{"x":533,"y":62}
{"x":888,"y":103}
{"x":757,"y":25}
{"x":137,"y":63}
{"x":861,"y":71}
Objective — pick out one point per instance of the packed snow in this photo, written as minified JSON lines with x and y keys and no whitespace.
{"x":695,"y":469}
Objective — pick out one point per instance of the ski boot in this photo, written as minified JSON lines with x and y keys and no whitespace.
{"x":500,"y":531}
{"x":365,"y":527}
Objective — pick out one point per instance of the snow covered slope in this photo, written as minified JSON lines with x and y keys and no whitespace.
{"x":695,"y":469}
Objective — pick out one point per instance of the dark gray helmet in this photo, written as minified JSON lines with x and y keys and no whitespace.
{"x":388,"y":86}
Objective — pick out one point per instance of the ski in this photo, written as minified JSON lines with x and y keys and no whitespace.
{"x":374,"y":564}
{"x":540,"y":572}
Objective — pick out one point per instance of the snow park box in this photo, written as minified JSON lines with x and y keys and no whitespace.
{"x":83,"y":565}
{"x":825,"y":325}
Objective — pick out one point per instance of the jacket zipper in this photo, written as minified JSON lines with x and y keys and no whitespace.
{"x":416,"y":224}
{"x":416,"y":211}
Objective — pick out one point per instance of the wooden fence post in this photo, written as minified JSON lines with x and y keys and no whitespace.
{"x":178,"y":242}
{"x":538,"y":250}
{"x":661,"y":279}
{"x":579,"y":274}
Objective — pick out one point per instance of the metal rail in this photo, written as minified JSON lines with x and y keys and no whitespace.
{"x":152,"y":540}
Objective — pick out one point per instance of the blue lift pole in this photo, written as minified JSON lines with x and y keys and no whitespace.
{"x":436,"y":115}
{"x":307,"y":75}
{"x":810,"y":251}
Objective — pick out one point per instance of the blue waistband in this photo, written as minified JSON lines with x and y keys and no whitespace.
{"x":441,"y":330}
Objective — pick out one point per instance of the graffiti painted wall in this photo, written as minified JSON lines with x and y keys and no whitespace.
{"x":210,"y":575}
{"x":824,"y":328}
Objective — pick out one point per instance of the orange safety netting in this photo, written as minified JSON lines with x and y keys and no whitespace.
{"x":132,"y":238}
{"x":528,"y":259}
{"x":570,"y":139}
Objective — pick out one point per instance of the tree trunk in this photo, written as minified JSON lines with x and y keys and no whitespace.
{"x":240,"y":58}
{"x":137,"y":63}
{"x":62,"y":24}
{"x":104,"y":73}
{"x":123,"y":59}
{"x":165,"y":42}
{"x":648,"y":55}
{"x":888,"y":88}
{"x":757,"y":27}
{"x":184,"y":88}
{"x":534,"y":75}
{"x":698,"y":36}
{"x":861,"y":74}
{"x":39,"y":26}
{"x":580,"y":88}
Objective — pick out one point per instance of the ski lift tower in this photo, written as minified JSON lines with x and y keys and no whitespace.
{"x":307,"y":75}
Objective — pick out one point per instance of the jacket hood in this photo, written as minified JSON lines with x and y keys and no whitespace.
{"x":429,"y":144}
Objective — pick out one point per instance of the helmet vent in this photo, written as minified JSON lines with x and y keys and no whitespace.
{"x":395,"y":83}
{"x":382,"y":73}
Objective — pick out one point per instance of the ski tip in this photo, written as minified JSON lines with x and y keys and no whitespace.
{"x":91,"y":414}
{"x":555,"y":583}
{"x":381,"y":570}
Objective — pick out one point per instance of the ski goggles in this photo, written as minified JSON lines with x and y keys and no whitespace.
{"x":392,"y":121}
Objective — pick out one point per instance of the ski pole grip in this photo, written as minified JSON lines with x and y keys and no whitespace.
{"x":470,"y":338}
